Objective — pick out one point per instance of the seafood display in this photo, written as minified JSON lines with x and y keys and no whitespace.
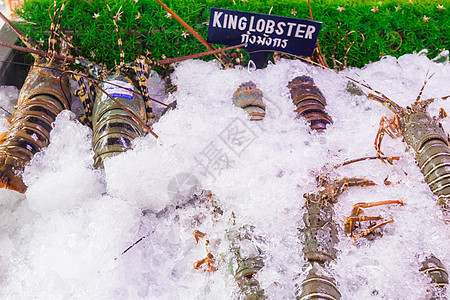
{"x":41,"y":99}
{"x":310,"y":102}
{"x":238,"y":262}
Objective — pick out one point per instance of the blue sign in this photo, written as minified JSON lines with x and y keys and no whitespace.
{"x":263,"y":33}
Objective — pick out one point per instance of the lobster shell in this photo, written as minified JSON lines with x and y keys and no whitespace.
{"x":249,"y":97}
{"x":41,"y":99}
{"x":310,"y":102}
{"x":114,"y":129}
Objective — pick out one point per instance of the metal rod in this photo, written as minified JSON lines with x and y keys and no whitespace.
{"x":222,"y":58}
{"x":172,"y":60}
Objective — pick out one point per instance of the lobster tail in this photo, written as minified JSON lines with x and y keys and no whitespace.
{"x":40,"y":101}
{"x":249,"y":97}
{"x":433,"y":156}
{"x":114,"y":128}
{"x":434,"y":269}
{"x":318,"y":286}
{"x":113,"y":134}
{"x":310,"y":102}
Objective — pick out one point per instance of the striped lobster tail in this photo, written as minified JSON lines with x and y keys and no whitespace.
{"x":436,"y":271}
{"x":249,"y":97}
{"x":430,"y":142}
{"x":40,"y":101}
{"x":434,"y":162}
{"x":113,"y":127}
{"x":310,"y":102}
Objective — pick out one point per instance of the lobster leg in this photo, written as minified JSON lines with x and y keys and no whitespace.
{"x":84,"y":96}
{"x":142,"y":67}
{"x":371,"y":229}
{"x":339,"y":186}
{"x":442,"y":113}
{"x":198,"y":234}
{"x":209,"y":260}
{"x":390,"y":127}
{"x":350,"y":222}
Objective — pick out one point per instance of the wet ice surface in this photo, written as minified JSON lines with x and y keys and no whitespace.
{"x":63,"y":239}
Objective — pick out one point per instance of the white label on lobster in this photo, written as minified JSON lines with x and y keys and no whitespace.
{"x":123,"y":90}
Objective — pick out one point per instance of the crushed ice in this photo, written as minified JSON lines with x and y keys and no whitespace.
{"x":65,"y":237}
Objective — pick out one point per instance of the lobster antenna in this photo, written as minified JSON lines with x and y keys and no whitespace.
{"x":363,"y":83}
{"x":85,"y":62}
{"x":424,"y":83}
{"x":389,"y":159}
{"x":119,"y":40}
{"x":61,"y":34}
{"x":24,"y":38}
{"x":5,"y":111}
{"x":134,"y":244}
{"x":54,"y":28}
{"x":323,"y":61}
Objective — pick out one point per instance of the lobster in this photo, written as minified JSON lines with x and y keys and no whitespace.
{"x":310,"y":102}
{"x":320,"y":237}
{"x":242,"y":268}
{"x":116,"y":122}
{"x":249,"y":97}
{"x":41,"y":99}
{"x":426,"y":136}
{"x":121,"y":107}
{"x":245,"y":268}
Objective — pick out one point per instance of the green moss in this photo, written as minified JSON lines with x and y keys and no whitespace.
{"x":388,"y":31}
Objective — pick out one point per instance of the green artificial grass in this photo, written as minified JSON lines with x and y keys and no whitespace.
{"x":387,"y":27}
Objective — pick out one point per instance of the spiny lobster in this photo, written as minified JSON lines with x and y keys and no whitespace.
{"x":320,"y":237}
{"x":122,"y":108}
{"x":426,"y":136}
{"x":242,"y":267}
{"x":41,"y":99}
